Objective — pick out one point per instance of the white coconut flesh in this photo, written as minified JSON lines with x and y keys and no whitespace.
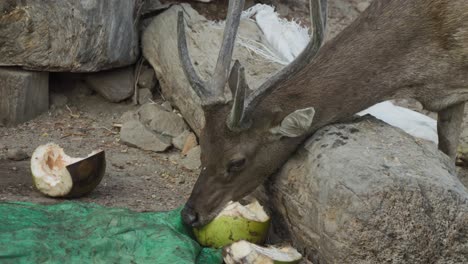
{"x":246,"y":252}
{"x":49,"y":169}
{"x":253,"y":211}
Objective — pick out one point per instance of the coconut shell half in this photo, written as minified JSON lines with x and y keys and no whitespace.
{"x":245,"y":252}
{"x":87,"y":174}
{"x":55,"y":174}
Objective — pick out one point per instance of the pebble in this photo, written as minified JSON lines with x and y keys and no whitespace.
{"x":17,"y":154}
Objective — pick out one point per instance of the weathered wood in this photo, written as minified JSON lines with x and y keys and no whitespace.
{"x":23,"y":95}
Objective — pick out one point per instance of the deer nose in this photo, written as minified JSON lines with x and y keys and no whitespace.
{"x":189,"y":216}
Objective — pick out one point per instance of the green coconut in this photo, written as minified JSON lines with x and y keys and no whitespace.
{"x":245,"y":252}
{"x":236,"y":222}
{"x":56,"y":174}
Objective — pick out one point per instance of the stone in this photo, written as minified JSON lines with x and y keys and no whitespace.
{"x":192,"y":160}
{"x":147,"y":78}
{"x":160,"y":121}
{"x":68,"y":35}
{"x":190,"y":143}
{"x":148,"y":112}
{"x":24,"y":95}
{"x":17,"y":154}
{"x":133,"y":133}
{"x":179,"y":141}
{"x":362,"y":6}
{"x":167,"y":106}
{"x":114,"y":85}
{"x":82,"y":89}
{"x":159,"y":44}
{"x":144,"y":96}
{"x":58,"y":100}
{"x":128,"y":116}
{"x":366,"y":192}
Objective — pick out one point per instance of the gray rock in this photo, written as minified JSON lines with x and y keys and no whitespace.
{"x":159,"y":48}
{"x":369,"y":193}
{"x":58,"y":100}
{"x":135,"y":134}
{"x":179,"y":141}
{"x":128,"y":116}
{"x":147,"y":78}
{"x":68,"y":35}
{"x":161,"y":121}
{"x":362,"y":6}
{"x":167,"y":106}
{"x":144,"y":96}
{"x":114,"y":85}
{"x":192,"y":160}
{"x":190,"y":143}
{"x":23,"y":95}
{"x":82,"y":89}
{"x":17,"y":154}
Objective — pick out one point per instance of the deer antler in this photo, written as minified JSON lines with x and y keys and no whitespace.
{"x":243,"y":107}
{"x":212,"y":92}
{"x":239,"y":88}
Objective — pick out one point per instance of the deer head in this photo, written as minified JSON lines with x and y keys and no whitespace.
{"x":242,"y":143}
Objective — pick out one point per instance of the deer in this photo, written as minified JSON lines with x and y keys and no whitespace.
{"x":394,"y":49}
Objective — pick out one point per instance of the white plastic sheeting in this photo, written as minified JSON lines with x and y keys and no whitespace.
{"x":287,"y":39}
{"x":412,"y":122}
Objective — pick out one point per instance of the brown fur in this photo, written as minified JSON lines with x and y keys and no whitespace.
{"x":396,"y":48}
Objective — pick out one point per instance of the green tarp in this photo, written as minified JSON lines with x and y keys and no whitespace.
{"x":73,"y":232}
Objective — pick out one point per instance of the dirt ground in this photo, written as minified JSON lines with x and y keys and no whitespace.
{"x":135,"y":179}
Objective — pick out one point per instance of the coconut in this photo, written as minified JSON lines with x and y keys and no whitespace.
{"x":56,"y":174}
{"x":245,"y":252}
{"x":236,"y":222}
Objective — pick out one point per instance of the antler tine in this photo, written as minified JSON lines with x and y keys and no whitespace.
{"x":324,"y":6}
{"x":195,"y":81}
{"x":221,"y":72}
{"x":239,"y":88}
{"x":309,"y":53}
{"x":213,"y":90}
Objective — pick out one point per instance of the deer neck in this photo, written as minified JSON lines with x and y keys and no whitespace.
{"x":384,"y":54}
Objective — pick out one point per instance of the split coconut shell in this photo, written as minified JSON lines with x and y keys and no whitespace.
{"x":236,"y":222}
{"x":245,"y":252}
{"x":56,"y":174}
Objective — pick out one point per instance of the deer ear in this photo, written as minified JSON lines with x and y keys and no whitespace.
{"x":295,"y":124}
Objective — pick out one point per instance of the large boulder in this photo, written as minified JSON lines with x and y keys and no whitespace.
{"x":204,"y":39}
{"x":115,"y":85}
{"x":367,"y":192}
{"x":68,"y":35}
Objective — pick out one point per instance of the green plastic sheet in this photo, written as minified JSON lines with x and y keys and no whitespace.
{"x":73,"y":232}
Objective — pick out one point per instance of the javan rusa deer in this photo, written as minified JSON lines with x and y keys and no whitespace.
{"x":395,"y":49}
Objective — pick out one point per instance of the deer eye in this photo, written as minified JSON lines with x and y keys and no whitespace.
{"x":236,"y":165}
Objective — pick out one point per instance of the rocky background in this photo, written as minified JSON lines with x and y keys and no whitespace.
{"x":92,"y":74}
